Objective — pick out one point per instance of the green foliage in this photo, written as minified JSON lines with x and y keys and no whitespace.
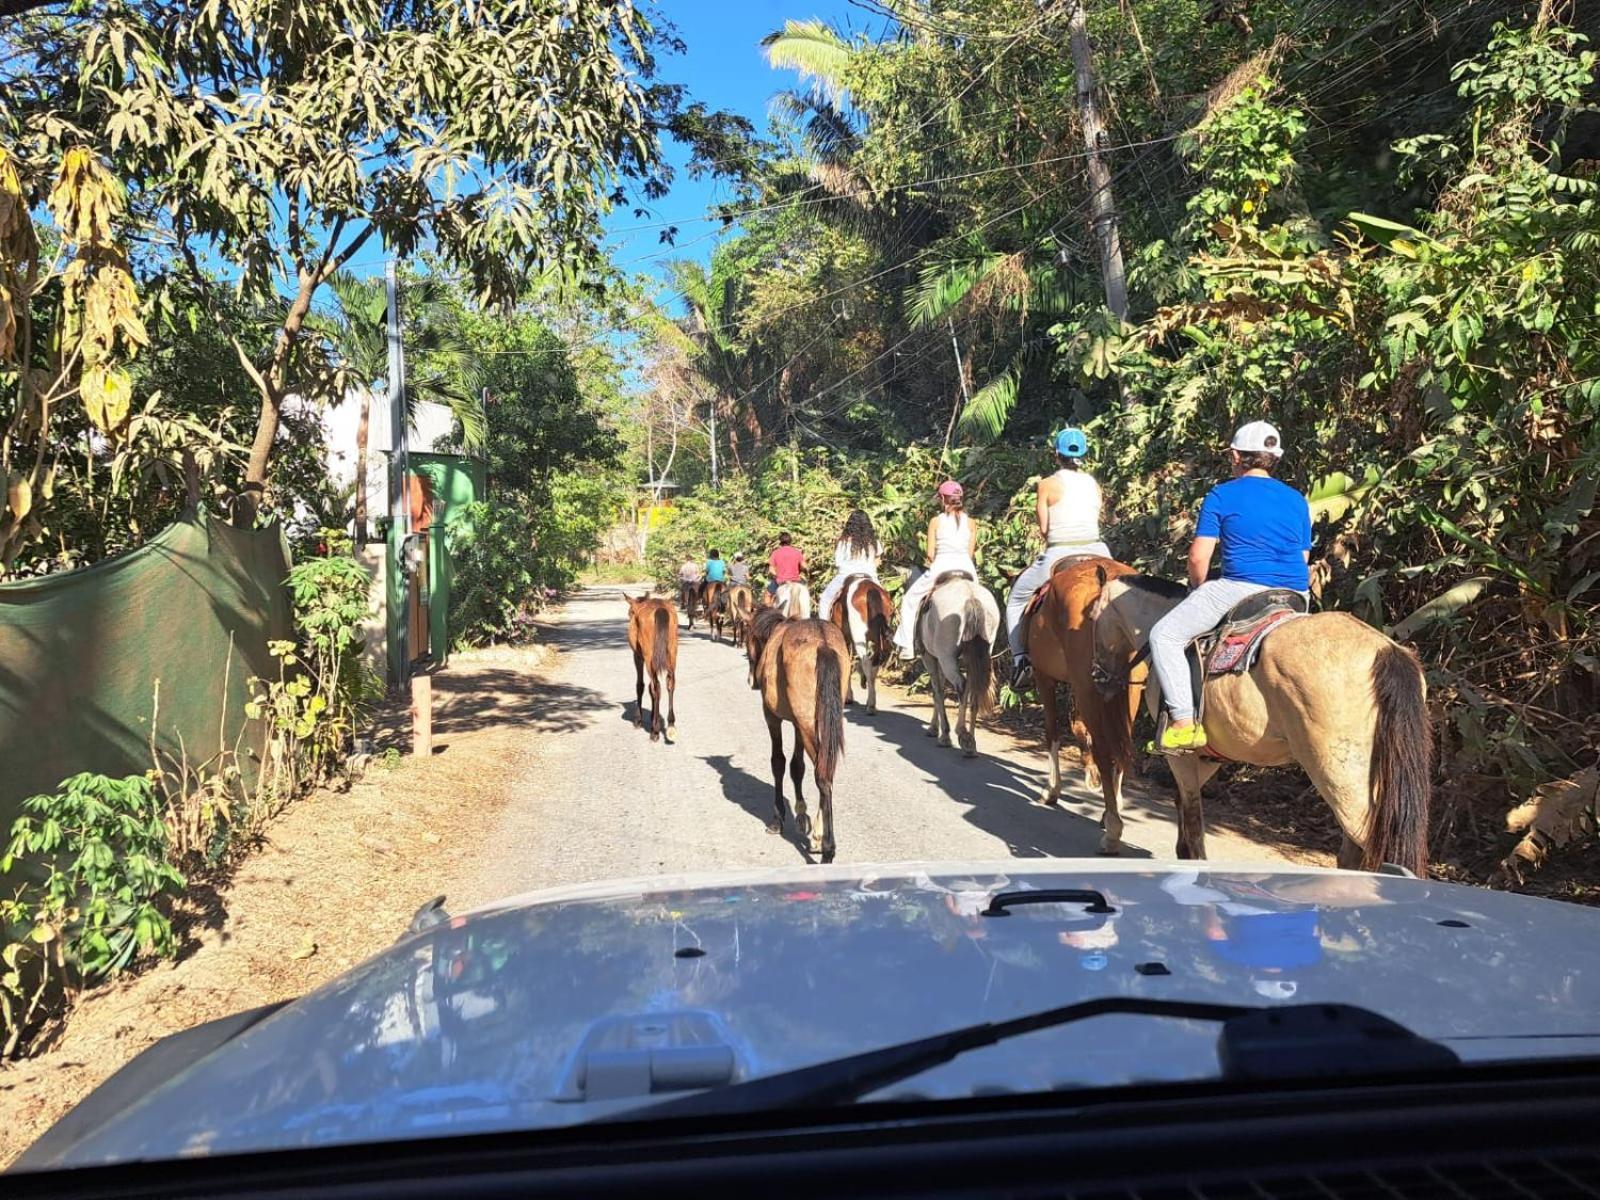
{"x":94,"y":864}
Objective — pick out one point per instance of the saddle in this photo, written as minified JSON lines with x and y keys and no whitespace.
{"x":944,"y":577}
{"x":1038,"y":596}
{"x":1232,"y":646}
{"x":1071,"y":560}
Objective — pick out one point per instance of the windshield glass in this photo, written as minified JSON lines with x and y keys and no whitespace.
{"x":561,"y":557}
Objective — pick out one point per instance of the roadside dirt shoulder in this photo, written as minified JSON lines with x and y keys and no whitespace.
{"x":336,"y":878}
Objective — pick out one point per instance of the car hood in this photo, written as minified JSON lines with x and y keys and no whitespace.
{"x":563,"y":1006}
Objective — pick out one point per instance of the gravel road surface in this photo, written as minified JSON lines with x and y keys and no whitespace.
{"x":596,"y":800}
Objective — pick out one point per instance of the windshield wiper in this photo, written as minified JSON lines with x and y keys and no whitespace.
{"x":1281,"y":1042}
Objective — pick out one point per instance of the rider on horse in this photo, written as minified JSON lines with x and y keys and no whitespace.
{"x":1068,"y":508}
{"x":786,"y":565}
{"x":716,"y":569}
{"x":952,"y":544}
{"x":688,"y":585}
{"x":1264,"y":528}
{"x":856,"y":554}
{"x":738,"y":571}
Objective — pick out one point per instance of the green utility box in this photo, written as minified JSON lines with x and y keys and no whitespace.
{"x":438,"y":491}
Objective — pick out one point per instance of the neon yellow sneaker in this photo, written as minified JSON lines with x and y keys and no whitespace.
{"x":1182,"y":741}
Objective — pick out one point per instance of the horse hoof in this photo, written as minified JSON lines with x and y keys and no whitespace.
{"x":872,"y":710}
{"x":1047,"y":799}
{"x":672,"y":732}
{"x":1111,"y":850}
{"x":774,"y":828}
{"x":928,"y":733}
{"x":945,"y":742}
{"x":965,"y":753}
{"x":827,"y":857}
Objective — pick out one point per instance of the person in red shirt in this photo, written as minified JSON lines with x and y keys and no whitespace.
{"x":786,"y":564}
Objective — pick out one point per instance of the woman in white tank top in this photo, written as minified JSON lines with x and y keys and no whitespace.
{"x":952,"y":545}
{"x":1068,"y":507}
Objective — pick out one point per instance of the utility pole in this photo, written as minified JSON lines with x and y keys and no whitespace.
{"x":713,"y":428}
{"x":1101,"y":201}
{"x":961,"y":374}
{"x":399,"y":502}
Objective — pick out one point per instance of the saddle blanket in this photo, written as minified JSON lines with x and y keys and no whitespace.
{"x":1237,"y":651}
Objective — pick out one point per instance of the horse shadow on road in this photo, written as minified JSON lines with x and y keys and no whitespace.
{"x":754,"y":795}
{"x":997,"y":795}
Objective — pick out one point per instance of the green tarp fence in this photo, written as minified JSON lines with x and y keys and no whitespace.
{"x":81,"y":654}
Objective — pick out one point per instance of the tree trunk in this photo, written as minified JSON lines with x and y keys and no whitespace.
{"x":362,"y":424}
{"x":1101,"y":200}
{"x":272,"y":394}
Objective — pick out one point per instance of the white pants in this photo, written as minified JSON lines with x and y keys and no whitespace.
{"x":1035,"y":577}
{"x":905,"y":635}
{"x":835,"y":585}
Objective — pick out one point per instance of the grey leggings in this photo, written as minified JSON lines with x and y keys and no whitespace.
{"x":1199,"y":611}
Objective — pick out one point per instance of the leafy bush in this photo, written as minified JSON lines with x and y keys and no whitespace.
{"x":95,"y":857}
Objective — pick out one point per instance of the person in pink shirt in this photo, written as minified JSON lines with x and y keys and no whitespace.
{"x":786,"y":564}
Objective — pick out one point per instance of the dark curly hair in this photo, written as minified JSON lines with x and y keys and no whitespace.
{"x":859,"y":533}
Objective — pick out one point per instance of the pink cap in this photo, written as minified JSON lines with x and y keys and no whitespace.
{"x":950,"y":488}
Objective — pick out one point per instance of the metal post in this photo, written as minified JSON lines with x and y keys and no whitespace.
{"x":399,"y":500}
{"x":713,"y":441}
{"x":1101,"y":201}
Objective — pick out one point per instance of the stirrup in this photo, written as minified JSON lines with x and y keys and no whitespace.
{"x":1021,"y":674}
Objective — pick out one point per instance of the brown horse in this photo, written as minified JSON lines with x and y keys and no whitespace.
{"x":713,"y":600}
{"x":1060,"y":640}
{"x":688,"y":599}
{"x":864,"y":613}
{"x":803,"y":677}
{"x":741,"y":606}
{"x":1327,"y":691}
{"x":758,"y":632}
{"x":653,"y":637}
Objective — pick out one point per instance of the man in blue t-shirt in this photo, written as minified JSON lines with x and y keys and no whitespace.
{"x":1264,"y":529}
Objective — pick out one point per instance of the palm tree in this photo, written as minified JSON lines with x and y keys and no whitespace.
{"x":357,"y":333}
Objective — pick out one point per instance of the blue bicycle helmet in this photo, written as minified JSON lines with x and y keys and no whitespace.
{"x":1070,"y":443}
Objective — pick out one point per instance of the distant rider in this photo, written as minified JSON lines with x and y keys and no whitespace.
{"x":716,"y":569}
{"x":1264,"y":528}
{"x":1067,"y":505}
{"x":857,"y":553}
{"x":787,"y":564}
{"x":688,"y":584}
{"x":952,"y":545}
{"x":739,"y":571}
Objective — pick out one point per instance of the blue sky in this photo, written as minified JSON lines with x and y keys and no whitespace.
{"x":724,"y":68}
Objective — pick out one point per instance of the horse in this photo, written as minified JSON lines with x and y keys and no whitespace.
{"x":741,"y":606}
{"x":1059,"y":635}
{"x":956,"y":628}
{"x":803,"y":678}
{"x":863,"y":612}
{"x":1328,"y":692}
{"x":713,"y":596}
{"x":653,"y":637}
{"x":688,"y":596}
{"x":794,"y":599}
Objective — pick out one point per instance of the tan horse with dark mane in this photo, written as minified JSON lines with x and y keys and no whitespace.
{"x":1327,"y":691}
{"x":653,"y":637}
{"x":714,"y":601}
{"x":741,"y":606}
{"x":1060,"y":639}
{"x":799,"y":667}
{"x":864,"y":613}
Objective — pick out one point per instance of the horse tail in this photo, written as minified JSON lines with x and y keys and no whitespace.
{"x":1402,"y":764}
{"x":829,"y":712}
{"x":977,"y":665}
{"x":658,"y":645}
{"x":880,"y":624}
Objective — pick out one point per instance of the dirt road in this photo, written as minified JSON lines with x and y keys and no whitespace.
{"x":597,"y":800}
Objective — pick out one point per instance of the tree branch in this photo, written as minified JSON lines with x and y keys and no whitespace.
{"x":203,"y":286}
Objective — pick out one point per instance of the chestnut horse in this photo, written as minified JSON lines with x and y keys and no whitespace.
{"x":864,"y":612}
{"x":653,"y":637}
{"x":741,"y":606}
{"x":1059,"y":634}
{"x":803,"y":678}
{"x":1326,"y":691}
{"x":713,"y":600}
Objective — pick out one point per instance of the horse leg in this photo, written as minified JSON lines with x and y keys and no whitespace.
{"x":797,"y":772}
{"x":935,"y":694}
{"x":638,"y":690}
{"x":869,"y":668}
{"x":1340,"y":768}
{"x":1190,"y":773}
{"x":967,"y":714}
{"x":672,"y":705}
{"x":825,"y":815}
{"x":655,"y":707}
{"x":1085,"y":744}
{"x":1111,"y":821}
{"x":780,"y":811}
{"x":1052,"y":735}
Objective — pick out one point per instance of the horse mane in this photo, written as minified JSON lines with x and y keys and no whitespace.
{"x":765,"y":620}
{"x":1156,"y":586}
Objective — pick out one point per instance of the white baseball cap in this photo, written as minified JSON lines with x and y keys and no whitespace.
{"x":1258,"y":436}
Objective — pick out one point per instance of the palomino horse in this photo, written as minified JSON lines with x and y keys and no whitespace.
{"x":863,"y":612}
{"x":713,"y":598}
{"x":653,"y":637}
{"x":741,"y":606}
{"x":794,"y":600}
{"x":1060,"y":640}
{"x":956,"y":628}
{"x":803,"y":676}
{"x":1328,"y":692}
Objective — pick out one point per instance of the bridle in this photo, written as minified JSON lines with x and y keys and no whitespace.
{"x":1107,"y":680}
